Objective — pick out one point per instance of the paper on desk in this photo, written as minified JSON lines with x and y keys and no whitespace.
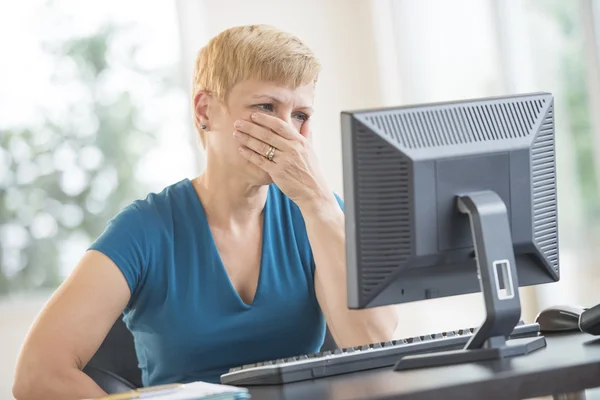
{"x":204,"y":390}
{"x":188,"y":391}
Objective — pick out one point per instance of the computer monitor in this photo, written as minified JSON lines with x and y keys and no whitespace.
{"x":452,"y":198}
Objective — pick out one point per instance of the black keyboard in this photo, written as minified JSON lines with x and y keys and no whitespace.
{"x":354,"y":359}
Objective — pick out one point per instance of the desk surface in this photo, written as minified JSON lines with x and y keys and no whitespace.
{"x":569,"y":363}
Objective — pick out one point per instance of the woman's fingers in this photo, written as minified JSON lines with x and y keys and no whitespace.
{"x":261,"y":133}
{"x":254,"y":144}
{"x":276,"y":125}
{"x":259,"y":160}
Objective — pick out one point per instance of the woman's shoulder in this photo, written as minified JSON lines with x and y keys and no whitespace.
{"x":161,"y":206}
{"x":167,"y":197}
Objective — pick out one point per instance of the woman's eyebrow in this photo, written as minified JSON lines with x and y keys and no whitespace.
{"x":270,"y":97}
{"x":307,"y":109}
{"x":278,"y":100}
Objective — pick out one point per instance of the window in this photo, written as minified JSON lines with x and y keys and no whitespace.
{"x":92,"y":116}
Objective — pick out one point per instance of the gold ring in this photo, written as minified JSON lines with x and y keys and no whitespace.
{"x":271,"y":153}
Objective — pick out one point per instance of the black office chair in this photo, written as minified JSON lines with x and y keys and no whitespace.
{"x":115,"y":369}
{"x":328,"y":343}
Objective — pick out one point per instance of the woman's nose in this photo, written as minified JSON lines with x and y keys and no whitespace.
{"x":286,"y":117}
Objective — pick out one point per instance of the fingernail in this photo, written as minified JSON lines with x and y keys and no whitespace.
{"x":241,"y":149}
{"x":236,"y":134}
{"x":238,"y":124}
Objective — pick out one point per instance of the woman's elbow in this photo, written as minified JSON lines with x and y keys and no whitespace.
{"x":21,"y":392}
{"x":32,"y":378}
{"x":390,"y":321}
{"x":23,"y":387}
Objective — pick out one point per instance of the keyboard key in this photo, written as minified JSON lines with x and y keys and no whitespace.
{"x":338,"y":351}
{"x":326,"y":353}
{"x":376,"y":346}
{"x":425,"y":338}
{"x":416,"y":339}
{"x":438,"y":336}
{"x":248,"y":366}
{"x":450,"y":334}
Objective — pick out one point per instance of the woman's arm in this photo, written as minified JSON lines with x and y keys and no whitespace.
{"x":326,"y":233}
{"x":69,"y":330}
{"x":295,"y":171}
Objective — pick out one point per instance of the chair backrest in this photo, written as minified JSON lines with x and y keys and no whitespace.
{"x":114,"y":367}
{"x":328,"y":343}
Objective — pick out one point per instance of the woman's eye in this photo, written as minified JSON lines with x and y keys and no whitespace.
{"x":271,"y":108}
{"x":301,"y":116}
{"x":265,"y":107}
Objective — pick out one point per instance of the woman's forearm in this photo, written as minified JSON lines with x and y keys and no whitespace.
{"x":326,"y":233}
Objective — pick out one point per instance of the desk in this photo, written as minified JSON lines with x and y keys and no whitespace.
{"x":569,"y":363}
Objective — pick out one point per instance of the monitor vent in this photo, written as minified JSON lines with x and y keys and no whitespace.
{"x":451,"y":125}
{"x":543,"y":175}
{"x":383,"y":196}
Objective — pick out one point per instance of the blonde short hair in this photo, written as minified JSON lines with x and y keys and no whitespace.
{"x":258,"y":52}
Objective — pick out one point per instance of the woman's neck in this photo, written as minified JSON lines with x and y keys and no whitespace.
{"x":228,"y":200}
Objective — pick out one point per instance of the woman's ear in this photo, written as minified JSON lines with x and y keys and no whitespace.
{"x":201,"y":101}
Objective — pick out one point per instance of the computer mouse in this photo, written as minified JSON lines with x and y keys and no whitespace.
{"x":559,"y":318}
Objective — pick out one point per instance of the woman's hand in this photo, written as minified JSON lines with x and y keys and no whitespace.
{"x":293,"y":165}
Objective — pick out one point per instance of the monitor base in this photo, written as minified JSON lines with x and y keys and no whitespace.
{"x":514,"y":347}
{"x":497,"y":273}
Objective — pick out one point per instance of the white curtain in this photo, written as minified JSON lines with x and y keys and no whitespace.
{"x":443,"y":50}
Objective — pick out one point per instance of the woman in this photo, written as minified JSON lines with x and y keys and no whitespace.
{"x":242,"y":264}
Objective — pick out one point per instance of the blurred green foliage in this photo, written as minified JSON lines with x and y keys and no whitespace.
{"x":567,"y":16}
{"x":62,"y":180}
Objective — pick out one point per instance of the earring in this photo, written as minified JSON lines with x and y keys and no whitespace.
{"x":203,"y":127}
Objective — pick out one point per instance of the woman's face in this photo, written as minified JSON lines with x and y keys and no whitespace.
{"x":293,"y":106}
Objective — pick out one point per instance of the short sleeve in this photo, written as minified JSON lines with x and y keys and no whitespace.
{"x":124,"y":241}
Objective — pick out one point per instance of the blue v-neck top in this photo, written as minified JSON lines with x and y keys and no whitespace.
{"x":187,"y":320}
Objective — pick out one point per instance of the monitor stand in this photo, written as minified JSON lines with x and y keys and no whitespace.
{"x":499,"y":283}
